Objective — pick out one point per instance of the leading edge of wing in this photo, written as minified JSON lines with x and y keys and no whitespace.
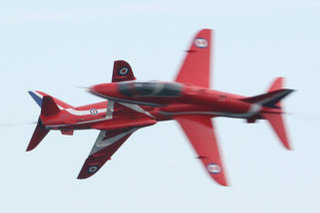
{"x":195,"y":68}
{"x":200,"y":132}
{"x":107,"y":143}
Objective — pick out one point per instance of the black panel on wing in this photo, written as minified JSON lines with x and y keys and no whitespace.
{"x":122,"y":71}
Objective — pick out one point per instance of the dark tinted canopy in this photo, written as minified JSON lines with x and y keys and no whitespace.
{"x":150,"y":89}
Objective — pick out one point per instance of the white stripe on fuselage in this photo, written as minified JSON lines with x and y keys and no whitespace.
{"x":83,"y":112}
{"x":71,"y":110}
{"x":109,"y":112}
{"x":254,"y":109}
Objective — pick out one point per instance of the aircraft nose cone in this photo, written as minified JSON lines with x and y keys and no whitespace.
{"x":102,"y":90}
{"x":96,"y":90}
{"x":92,"y":89}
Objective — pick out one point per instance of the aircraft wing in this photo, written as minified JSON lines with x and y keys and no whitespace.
{"x":107,"y":143}
{"x":200,"y":131}
{"x":195,"y":68}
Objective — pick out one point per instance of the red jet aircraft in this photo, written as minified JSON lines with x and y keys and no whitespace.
{"x":132,"y":105}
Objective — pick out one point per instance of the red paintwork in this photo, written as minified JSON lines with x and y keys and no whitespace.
{"x":100,"y":158}
{"x":195,"y":69}
{"x":198,"y":130}
{"x":194,"y":103}
{"x":191,"y":95}
{"x":134,"y":105}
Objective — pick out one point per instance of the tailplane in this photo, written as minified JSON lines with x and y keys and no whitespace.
{"x":277,"y":123}
{"x":272,"y":108}
{"x":273,"y":97}
{"x":276,"y":120}
{"x":49,"y":106}
{"x":39,"y":133}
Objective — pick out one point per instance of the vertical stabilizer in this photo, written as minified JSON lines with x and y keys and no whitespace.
{"x":277,"y":85}
{"x":49,"y":106}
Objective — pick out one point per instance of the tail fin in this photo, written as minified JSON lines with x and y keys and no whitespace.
{"x":272,"y":99}
{"x":278,"y":85}
{"x":49,"y":106}
{"x":196,"y":65}
{"x":276,"y":120}
{"x":38,"y":96}
{"x":122,"y":71}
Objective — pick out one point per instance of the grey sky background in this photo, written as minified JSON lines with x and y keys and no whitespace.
{"x":55,"y":46}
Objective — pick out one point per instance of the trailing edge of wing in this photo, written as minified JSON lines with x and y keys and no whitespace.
{"x":107,"y":143}
{"x":200,"y":131}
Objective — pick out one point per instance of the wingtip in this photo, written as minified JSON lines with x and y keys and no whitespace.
{"x":225,"y":184}
{"x":285,"y":142}
{"x":288,"y":147}
{"x":81,"y":177}
{"x":221,"y":181}
{"x":29,"y":149}
{"x":84,"y":175}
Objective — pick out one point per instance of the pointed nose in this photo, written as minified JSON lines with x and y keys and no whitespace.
{"x":91,"y":89}
{"x":103,"y":90}
{"x":97,"y":90}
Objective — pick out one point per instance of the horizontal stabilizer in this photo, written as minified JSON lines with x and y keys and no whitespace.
{"x":107,"y":143}
{"x":272,"y":99}
{"x":39,"y":133}
{"x":277,"y":123}
{"x":49,"y":106}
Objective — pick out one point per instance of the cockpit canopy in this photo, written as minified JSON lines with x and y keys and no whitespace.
{"x":150,"y":89}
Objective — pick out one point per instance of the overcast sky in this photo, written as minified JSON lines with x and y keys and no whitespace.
{"x":57,"y":46}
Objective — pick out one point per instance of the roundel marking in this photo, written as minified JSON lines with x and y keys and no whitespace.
{"x":93,"y":111}
{"x":123,"y":71}
{"x":201,"y":42}
{"x":92,"y":169}
{"x":213,"y":168}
